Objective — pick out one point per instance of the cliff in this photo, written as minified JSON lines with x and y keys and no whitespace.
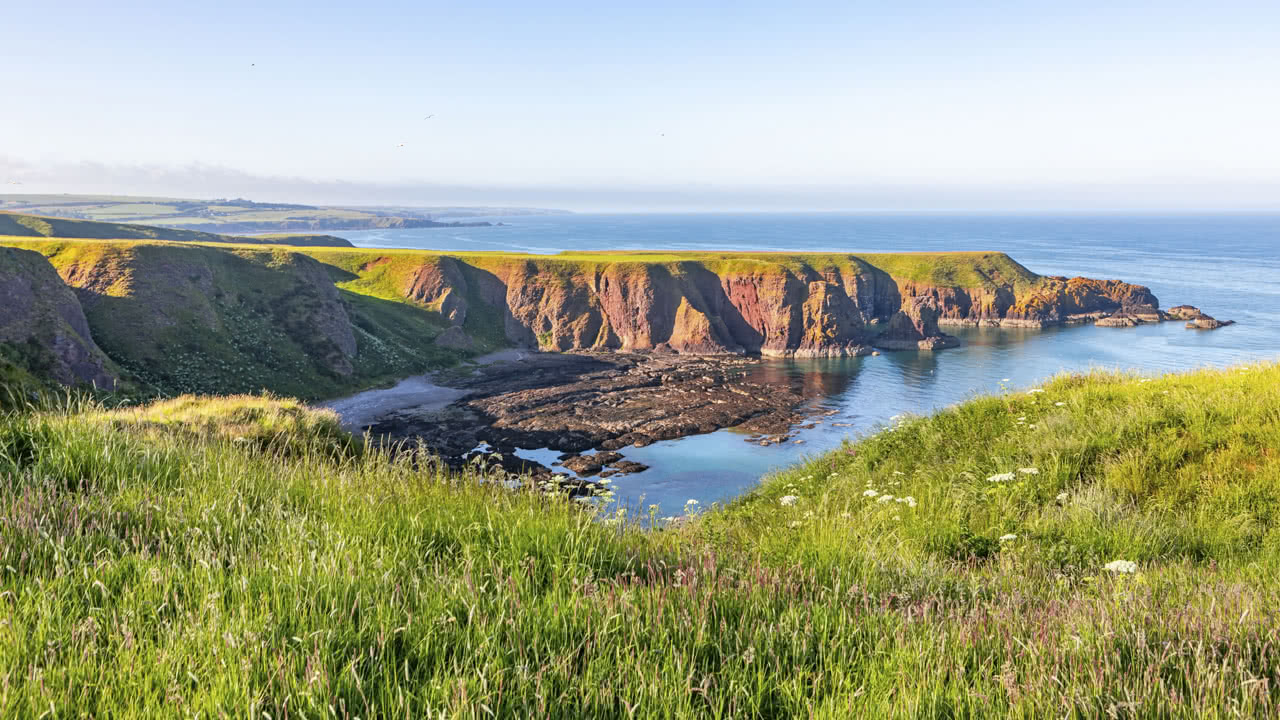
{"x":812,"y":305}
{"x":315,"y":322}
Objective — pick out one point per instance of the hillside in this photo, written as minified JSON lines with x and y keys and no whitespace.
{"x":207,"y":556}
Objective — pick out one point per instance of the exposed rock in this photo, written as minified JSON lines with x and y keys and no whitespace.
{"x":455,"y":338}
{"x":625,"y":467}
{"x":1120,"y":320}
{"x":44,"y":323}
{"x":1183,"y":312}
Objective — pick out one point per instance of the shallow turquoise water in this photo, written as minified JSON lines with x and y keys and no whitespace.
{"x":1228,"y":265}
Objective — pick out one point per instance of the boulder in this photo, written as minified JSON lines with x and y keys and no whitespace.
{"x":455,"y":338}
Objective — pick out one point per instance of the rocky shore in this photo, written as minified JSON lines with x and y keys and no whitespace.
{"x":579,"y":402}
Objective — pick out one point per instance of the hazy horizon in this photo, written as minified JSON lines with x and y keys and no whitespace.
{"x":818,"y":106}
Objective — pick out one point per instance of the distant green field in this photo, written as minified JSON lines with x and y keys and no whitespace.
{"x":35,"y":226}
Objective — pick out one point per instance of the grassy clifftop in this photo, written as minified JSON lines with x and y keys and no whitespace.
{"x":207,"y":557}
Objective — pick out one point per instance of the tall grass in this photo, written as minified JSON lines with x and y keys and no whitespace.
{"x":230,"y":559}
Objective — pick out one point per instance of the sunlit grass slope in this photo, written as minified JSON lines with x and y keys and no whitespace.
{"x":238,"y":557}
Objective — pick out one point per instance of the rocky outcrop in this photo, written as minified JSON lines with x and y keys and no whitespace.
{"x":1207,"y":322}
{"x":1196,"y":320}
{"x":42,"y":323}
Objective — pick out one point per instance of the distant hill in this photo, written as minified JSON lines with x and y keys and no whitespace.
{"x":247,"y":216}
{"x":16,"y":225}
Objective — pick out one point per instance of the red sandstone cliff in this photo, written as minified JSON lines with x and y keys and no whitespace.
{"x":770,"y":308}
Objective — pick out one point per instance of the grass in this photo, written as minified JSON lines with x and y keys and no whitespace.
{"x":237,"y":558}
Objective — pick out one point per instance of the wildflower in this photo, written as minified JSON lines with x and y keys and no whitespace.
{"x":793,"y":524}
{"x":788,"y":499}
{"x":908,"y":500}
{"x":1004,"y":379}
{"x":1059,"y":404}
{"x":1062,"y":497}
{"x":896,"y":472}
{"x":1034,"y":391}
{"x":1121,"y":566}
{"x":884,"y":498}
{"x":1007,"y":537}
{"x":749,"y":656}
{"x":846,"y":515}
{"x":1001,"y":477}
{"x":809,"y":514}
{"x":1029,"y":471}
{"x":690,"y":501}
{"x":869,"y":493}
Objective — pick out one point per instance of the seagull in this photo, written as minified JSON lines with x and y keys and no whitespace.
{"x":429,"y":116}
{"x":400,"y":145}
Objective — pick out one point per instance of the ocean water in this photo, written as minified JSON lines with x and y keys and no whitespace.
{"x":1227,"y":265}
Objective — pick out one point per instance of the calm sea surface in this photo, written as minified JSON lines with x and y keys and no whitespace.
{"x":1227,"y":265}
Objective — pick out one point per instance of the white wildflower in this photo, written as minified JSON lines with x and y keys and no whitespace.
{"x":869,"y":493}
{"x":1029,"y":471}
{"x":1001,"y":477}
{"x":1062,"y":497}
{"x":788,"y":499}
{"x":1004,"y":379}
{"x":1008,"y":537}
{"x":846,"y":515}
{"x":1060,"y":404}
{"x":910,"y":501}
{"x":690,"y":501}
{"x":884,"y":498}
{"x":793,"y":524}
{"x":1121,"y":566}
{"x":895,"y":472}
{"x":1034,"y":391}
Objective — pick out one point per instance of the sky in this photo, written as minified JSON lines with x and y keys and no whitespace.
{"x":911,"y":105}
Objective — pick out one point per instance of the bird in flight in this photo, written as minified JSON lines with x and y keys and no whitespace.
{"x":401,"y":145}
{"x":429,"y":116}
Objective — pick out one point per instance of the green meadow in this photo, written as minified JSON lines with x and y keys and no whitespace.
{"x":1099,"y":546}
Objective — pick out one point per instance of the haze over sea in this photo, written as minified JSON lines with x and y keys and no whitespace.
{"x":1227,"y":265}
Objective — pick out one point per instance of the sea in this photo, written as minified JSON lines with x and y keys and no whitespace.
{"x":1228,"y":265}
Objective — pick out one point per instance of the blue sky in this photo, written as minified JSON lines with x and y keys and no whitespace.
{"x":823,"y":105}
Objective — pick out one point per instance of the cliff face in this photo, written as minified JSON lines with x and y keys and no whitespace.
{"x":802,"y":306}
{"x":43,"y":325}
